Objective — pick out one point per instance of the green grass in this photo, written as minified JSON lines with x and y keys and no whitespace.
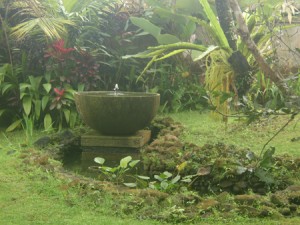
{"x":203,"y":128}
{"x":29,"y":195}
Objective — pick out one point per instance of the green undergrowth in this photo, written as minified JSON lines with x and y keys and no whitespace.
{"x":202,"y":128}
{"x":30,"y":194}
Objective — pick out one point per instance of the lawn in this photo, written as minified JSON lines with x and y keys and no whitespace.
{"x":31,"y":195}
{"x":202,"y":128}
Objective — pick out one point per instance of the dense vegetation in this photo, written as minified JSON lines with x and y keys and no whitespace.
{"x":49,"y":49}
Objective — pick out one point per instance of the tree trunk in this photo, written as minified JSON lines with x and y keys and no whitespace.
{"x":243,"y":31}
{"x":237,"y":60}
{"x":226,"y":21}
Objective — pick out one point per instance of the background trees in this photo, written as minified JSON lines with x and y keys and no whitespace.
{"x":51,"y":48}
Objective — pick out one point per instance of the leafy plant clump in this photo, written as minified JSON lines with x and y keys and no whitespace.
{"x":214,"y":168}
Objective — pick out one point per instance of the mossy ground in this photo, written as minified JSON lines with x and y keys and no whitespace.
{"x":33,"y":194}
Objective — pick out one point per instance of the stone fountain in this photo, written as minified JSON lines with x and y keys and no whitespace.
{"x":118,"y":120}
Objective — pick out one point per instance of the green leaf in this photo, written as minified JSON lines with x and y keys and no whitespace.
{"x":2,"y":111}
{"x":35,"y":82}
{"x":264,"y":176}
{"x":143,"y":177}
{"x":47,"y":87}
{"x":165,"y":39}
{"x":73,"y":118}
{"x":159,"y":178}
{"x":197,"y":55}
{"x":14,"y":125}
{"x":69,"y":96}
{"x":27,"y":104}
{"x":146,"y":25}
{"x":189,"y":28}
{"x":267,"y":160}
{"x":22,"y":94}
{"x":23,"y":86}
{"x":171,"y":54}
{"x":47,"y":122}
{"x":6,"y":87}
{"x":133,"y":163}
{"x":99,"y":160}
{"x":45,"y":101}
{"x":67,"y":115}
{"x":175,"y":179}
{"x":164,"y":185}
{"x":124,"y":162}
{"x":167,"y":174}
{"x":132,"y":185}
{"x":37,"y":108}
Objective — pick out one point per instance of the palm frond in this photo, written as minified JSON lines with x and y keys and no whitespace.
{"x":53,"y":28}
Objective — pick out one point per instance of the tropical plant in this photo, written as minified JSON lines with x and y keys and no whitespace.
{"x":39,"y":17}
{"x":222,"y":71}
{"x":165,"y":182}
{"x":266,"y":94}
{"x":214,"y":80}
{"x":116,"y":174}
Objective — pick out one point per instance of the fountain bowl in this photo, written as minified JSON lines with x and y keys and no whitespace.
{"x":121,"y":113}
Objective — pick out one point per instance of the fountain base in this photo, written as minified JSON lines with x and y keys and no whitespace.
{"x":95,"y":139}
{"x":112,"y":148}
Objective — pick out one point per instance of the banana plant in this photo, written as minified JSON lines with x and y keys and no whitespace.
{"x":167,"y":50}
{"x":219,"y":75}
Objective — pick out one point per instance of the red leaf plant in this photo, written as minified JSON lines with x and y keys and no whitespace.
{"x":58,"y":101}
{"x":58,"y":50}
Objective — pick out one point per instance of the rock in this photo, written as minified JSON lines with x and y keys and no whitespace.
{"x":293,"y":188}
{"x":294,"y":197}
{"x":224,"y":197}
{"x":42,"y":142}
{"x":266,"y":211}
{"x":226,"y":183}
{"x":208,"y":204}
{"x":279,"y":199}
{"x":247,"y":199}
{"x":285,"y":211}
{"x":240,"y":187}
{"x":153,"y":193}
{"x":248,"y":210}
